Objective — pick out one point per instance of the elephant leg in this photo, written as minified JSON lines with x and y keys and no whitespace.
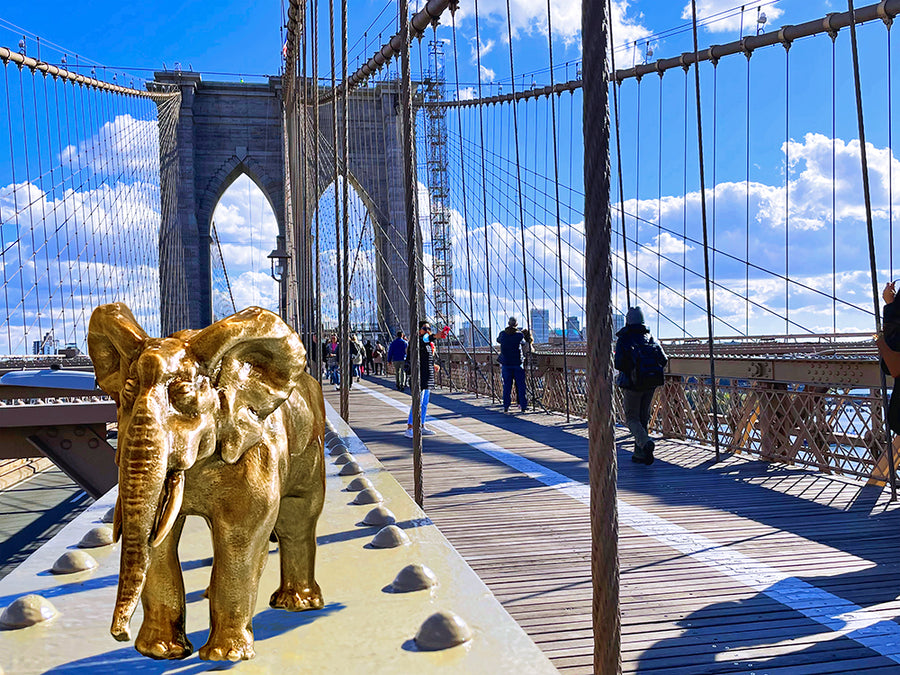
{"x":162,"y":634}
{"x":240,"y":550}
{"x":296,"y":531}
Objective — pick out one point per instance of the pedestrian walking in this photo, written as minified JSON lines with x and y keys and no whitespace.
{"x":397,"y":356}
{"x":356,"y":359}
{"x":333,"y":348}
{"x":512,"y":340}
{"x":378,"y":358}
{"x":427,"y":369}
{"x":890,"y":328}
{"x":641,"y":363}
{"x":368,"y":363}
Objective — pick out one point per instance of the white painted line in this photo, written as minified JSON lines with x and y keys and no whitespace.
{"x":841,"y":617}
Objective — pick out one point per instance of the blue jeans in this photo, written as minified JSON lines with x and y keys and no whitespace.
{"x":517,"y":373}
{"x":426,"y":394}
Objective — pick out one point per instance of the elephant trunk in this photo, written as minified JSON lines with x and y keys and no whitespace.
{"x":142,"y":474}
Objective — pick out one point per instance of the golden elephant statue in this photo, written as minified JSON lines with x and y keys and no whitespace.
{"x":221,"y":423}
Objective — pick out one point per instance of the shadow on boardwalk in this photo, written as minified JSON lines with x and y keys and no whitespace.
{"x":742,"y":631}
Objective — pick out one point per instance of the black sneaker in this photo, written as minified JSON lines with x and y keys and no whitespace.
{"x":648,"y":452}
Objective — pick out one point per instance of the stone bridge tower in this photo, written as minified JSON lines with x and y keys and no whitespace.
{"x":225,"y":129}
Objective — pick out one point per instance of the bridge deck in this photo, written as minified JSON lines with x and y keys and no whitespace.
{"x":733,"y":567}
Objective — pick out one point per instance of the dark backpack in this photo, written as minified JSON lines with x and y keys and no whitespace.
{"x":647,"y":370}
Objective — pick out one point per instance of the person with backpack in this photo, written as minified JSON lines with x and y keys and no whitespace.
{"x":641,"y":363}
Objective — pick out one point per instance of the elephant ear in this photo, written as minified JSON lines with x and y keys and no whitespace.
{"x":255,"y":360}
{"x":115,"y":340}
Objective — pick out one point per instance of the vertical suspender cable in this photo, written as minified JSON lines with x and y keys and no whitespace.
{"x":659,"y":210}
{"x":709,"y":320}
{"x":337,"y":209}
{"x":562,"y":293}
{"x":345,"y":224}
{"x":715,"y":139}
{"x":684,"y":174}
{"x":863,"y":158}
{"x":598,"y":281}
{"x":834,"y":186}
{"x":747,"y":205}
{"x":515,"y":117}
{"x":612,"y":55}
{"x":301,"y":226}
{"x":487,"y":227}
{"x":412,"y":250}
{"x":787,"y":185}
{"x":637,"y":182}
{"x":3,"y":246}
{"x":462,"y":160}
{"x":320,"y":336}
{"x":888,"y":22}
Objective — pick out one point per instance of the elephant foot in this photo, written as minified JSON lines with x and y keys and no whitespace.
{"x":297,"y":600}
{"x":237,"y":648}
{"x":156,"y":645}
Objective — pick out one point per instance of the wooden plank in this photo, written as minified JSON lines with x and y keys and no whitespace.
{"x":531,"y":543}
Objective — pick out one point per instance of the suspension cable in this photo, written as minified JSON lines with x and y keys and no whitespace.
{"x":863,"y":158}
{"x":709,"y":321}
{"x":615,"y":90}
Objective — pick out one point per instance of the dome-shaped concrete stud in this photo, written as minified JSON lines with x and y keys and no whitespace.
{"x":368,"y":496}
{"x":358,"y":484}
{"x":102,"y":535}
{"x":442,"y":630}
{"x":380,"y":515}
{"x":345,"y":458}
{"x":73,"y":561}
{"x":390,"y":537}
{"x":338,"y":449}
{"x":415,"y":577}
{"x":350,"y":469}
{"x":27,"y":611}
{"x":109,"y":516}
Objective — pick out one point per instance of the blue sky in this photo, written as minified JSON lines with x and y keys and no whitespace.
{"x":238,"y":41}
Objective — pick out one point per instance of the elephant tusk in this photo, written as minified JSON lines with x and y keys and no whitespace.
{"x":171,"y":507}
{"x":117,"y":520}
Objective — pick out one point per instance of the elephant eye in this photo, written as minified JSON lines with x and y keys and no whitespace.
{"x":183,"y":396}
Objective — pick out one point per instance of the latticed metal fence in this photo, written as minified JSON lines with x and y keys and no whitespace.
{"x":821,"y":412}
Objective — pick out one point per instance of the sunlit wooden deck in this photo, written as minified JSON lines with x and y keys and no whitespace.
{"x":739,"y":566}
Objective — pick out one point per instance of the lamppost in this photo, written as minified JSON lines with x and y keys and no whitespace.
{"x":278,"y":259}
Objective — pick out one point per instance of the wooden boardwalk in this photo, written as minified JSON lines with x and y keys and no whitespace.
{"x":739,"y":566}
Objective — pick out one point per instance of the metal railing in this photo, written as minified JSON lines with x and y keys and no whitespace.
{"x":814,"y":403}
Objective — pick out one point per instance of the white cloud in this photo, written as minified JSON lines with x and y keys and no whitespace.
{"x":725,"y":15}
{"x":70,"y":252}
{"x":247,"y":231}
{"x":487,"y":74}
{"x":530,"y":16}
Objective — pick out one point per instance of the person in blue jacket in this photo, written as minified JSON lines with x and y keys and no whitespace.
{"x":397,"y":355}
{"x":511,"y":341}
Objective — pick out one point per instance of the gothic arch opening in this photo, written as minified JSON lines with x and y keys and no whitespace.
{"x":243,"y":231}
{"x":364,"y":261}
